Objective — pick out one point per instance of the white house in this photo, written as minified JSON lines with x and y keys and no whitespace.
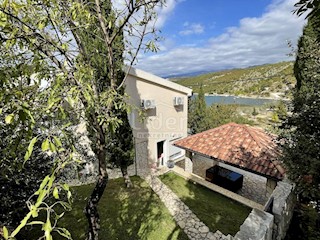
{"x":164,"y":105}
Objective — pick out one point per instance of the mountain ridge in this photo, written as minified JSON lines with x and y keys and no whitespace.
{"x":274,"y":80}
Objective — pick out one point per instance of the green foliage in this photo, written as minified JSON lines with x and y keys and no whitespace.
{"x":44,"y":192}
{"x":306,"y":67}
{"x":198,"y":114}
{"x":62,"y":57}
{"x":120,"y":147}
{"x":23,"y":164}
{"x":304,"y":224}
{"x":302,"y":129}
{"x":202,"y":118}
{"x":281,"y":109}
{"x":275,"y":117}
{"x":255,"y":112}
{"x":304,"y":5}
{"x":20,"y":179}
{"x":118,"y":134}
{"x":251,"y":81}
{"x":33,"y":111}
{"x":221,"y":114}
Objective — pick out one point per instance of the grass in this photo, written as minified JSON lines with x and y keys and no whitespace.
{"x":135,"y":213}
{"x":215,"y":210}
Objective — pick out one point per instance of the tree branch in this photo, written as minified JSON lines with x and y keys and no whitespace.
{"x":107,"y":42}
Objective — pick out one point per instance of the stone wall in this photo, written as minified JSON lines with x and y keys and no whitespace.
{"x":188,"y":165}
{"x":81,"y":179}
{"x":270,"y":186}
{"x":141,"y":158}
{"x":257,"y":226}
{"x":201,"y":164}
{"x":284,"y":201}
{"x":87,"y":172}
{"x":116,"y":172}
{"x":272,"y":225}
{"x":181,"y":163}
{"x":254,"y":186}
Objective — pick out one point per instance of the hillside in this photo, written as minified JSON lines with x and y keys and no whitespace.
{"x":269,"y":80}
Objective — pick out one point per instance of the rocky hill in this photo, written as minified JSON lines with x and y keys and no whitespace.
{"x":269,"y":80}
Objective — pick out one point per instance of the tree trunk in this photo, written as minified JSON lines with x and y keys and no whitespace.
{"x":127,"y":181}
{"x":92,"y":204}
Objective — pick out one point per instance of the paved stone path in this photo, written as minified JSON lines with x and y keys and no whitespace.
{"x":185,"y":218}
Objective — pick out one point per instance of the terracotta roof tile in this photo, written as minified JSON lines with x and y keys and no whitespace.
{"x":248,"y":147}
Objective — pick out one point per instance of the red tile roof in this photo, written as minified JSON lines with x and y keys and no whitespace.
{"x":240,"y":145}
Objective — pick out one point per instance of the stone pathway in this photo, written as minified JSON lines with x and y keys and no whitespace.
{"x":185,"y":218}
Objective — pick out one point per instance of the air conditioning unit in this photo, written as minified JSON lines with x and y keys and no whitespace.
{"x":148,"y":104}
{"x":178,"y":101}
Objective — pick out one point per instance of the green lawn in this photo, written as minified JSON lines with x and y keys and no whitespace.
{"x":135,"y":213}
{"x":215,"y":210}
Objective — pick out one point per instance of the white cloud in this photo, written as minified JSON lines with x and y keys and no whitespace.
{"x":194,"y":28}
{"x":133,"y":30}
{"x":165,"y":11}
{"x":254,"y":41}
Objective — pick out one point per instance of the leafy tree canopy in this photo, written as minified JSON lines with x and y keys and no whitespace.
{"x":70,"y":51}
{"x":202,"y":117}
{"x":302,"y":135}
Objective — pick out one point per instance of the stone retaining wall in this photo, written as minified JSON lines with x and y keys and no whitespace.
{"x":260,"y":224}
{"x":113,"y":173}
{"x":284,"y":201}
{"x":257,"y":226}
{"x":87,"y":172}
{"x":274,"y":225}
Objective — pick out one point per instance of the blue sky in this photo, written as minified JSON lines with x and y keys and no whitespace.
{"x":210,"y":16}
{"x":211,"y":35}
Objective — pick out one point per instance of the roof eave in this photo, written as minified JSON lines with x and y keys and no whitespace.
{"x":157,"y":80}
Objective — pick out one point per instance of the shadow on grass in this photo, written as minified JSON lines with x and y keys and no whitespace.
{"x":135,"y":213}
{"x":213,"y":209}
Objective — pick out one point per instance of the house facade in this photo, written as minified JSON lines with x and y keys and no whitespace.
{"x":158,"y":118}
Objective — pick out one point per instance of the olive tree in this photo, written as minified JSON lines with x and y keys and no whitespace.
{"x":62,"y":41}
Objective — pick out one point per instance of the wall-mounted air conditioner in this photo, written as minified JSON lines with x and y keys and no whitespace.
{"x":148,"y":104}
{"x":178,"y":101}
